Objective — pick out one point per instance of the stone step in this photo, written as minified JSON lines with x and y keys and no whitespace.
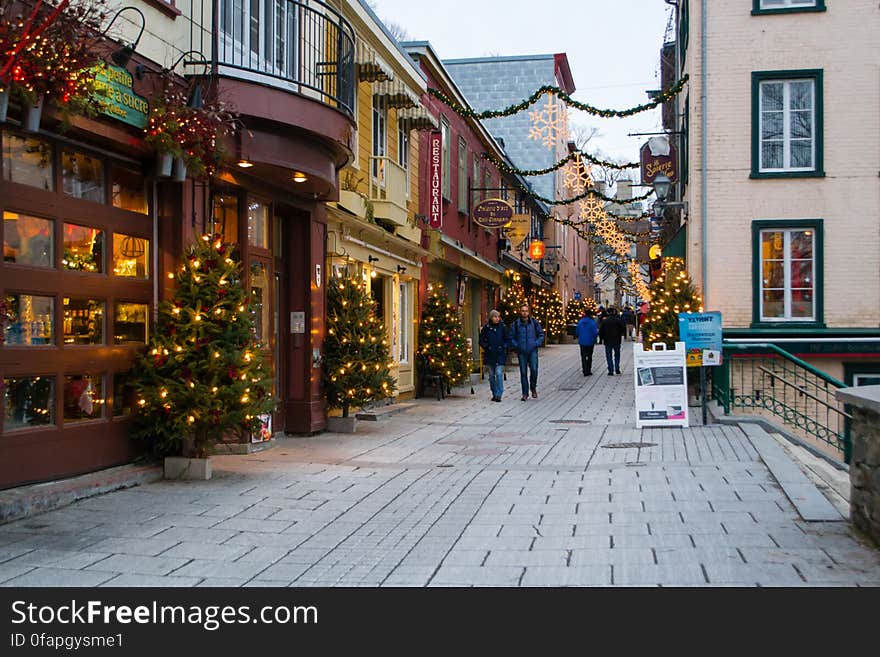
{"x":384,"y":412}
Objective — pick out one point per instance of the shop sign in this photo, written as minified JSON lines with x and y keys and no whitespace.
{"x":493,"y":213}
{"x":701,"y":334}
{"x":660,"y":378}
{"x":518,"y":229}
{"x":115,"y":88}
{"x":435,"y":181}
{"x":658,"y":157}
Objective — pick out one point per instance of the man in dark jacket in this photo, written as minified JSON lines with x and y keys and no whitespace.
{"x":629,"y":318}
{"x":526,"y":336}
{"x":495,"y":339}
{"x":586,"y":334}
{"x":612,"y":331}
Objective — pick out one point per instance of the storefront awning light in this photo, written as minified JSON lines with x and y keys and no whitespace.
{"x":245,"y":164}
{"x":299,"y":177}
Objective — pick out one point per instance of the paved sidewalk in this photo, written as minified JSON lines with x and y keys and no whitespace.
{"x":556,"y":491}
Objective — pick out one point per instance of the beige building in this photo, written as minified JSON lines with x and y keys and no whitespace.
{"x":780,"y":143}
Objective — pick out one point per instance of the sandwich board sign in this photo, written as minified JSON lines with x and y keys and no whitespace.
{"x":660,"y":378}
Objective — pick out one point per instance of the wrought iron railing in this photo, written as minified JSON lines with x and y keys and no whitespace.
{"x":763,"y":379}
{"x":303,"y":46}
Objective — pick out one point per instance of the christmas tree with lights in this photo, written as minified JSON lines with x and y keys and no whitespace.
{"x":357,"y":359}
{"x":202,"y":378}
{"x":548,"y":310}
{"x":511,"y":302}
{"x":671,"y":293}
{"x":441,"y":339}
{"x":575,"y":310}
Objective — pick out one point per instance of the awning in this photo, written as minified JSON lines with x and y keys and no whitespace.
{"x":396,"y":94}
{"x":371,"y":67}
{"x":677,"y":246}
{"x":417,"y":118}
{"x":474,"y":263}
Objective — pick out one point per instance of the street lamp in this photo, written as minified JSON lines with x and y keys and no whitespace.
{"x":662,"y":187}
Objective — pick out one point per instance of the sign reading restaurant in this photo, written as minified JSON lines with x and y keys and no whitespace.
{"x":115,"y":87}
{"x":493,"y":213}
{"x":435,"y":188}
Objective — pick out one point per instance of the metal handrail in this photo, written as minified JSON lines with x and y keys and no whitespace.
{"x":787,"y":356}
{"x":816,"y":399}
{"x":306,"y":46}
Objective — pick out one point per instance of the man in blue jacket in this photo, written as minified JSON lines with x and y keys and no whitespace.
{"x":495,"y":339}
{"x":526,"y":336}
{"x":587,"y":332}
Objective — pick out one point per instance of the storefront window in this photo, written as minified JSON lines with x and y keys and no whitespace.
{"x":226,"y":217}
{"x":258,"y":225}
{"x":27,"y":240}
{"x":130,"y":322}
{"x":131,"y":256}
{"x":83,"y":248}
{"x":260,"y":301}
{"x":123,"y":395}
{"x":28,"y":402}
{"x":83,"y":176}
{"x":403,"y":335}
{"x":129,"y":190}
{"x":83,"y":321}
{"x":83,"y":397}
{"x":28,"y":161}
{"x":29,"y":320}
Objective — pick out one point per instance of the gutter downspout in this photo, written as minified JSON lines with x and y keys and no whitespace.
{"x":704,"y":218}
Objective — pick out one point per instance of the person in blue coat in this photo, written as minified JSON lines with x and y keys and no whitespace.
{"x":587,"y":331}
{"x":526,"y":336}
{"x":495,"y":340}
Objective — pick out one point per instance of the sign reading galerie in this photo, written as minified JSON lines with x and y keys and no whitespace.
{"x":435,"y":188}
{"x":115,"y":87}
{"x":493,"y":213}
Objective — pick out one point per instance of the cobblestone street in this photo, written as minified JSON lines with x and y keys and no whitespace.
{"x":466,"y":492}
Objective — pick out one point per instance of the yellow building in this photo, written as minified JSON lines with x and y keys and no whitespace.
{"x":373,"y":229}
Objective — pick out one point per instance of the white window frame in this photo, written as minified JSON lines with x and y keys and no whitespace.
{"x":446,"y":138}
{"x":786,"y":281}
{"x":379,"y":138}
{"x":462,"y":175}
{"x":865,"y":375}
{"x":404,"y":323}
{"x":786,"y":126}
{"x":403,"y":152}
{"x":788,"y":4}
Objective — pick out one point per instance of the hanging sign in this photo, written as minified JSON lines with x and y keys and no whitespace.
{"x":435,"y":180}
{"x":660,"y":378}
{"x":114,"y":86}
{"x":493,"y":213}
{"x":658,"y":157}
{"x":701,"y":334}
{"x":518,"y":229}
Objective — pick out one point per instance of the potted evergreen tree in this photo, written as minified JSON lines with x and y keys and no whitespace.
{"x":442,"y":346}
{"x":202,"y":376}
{"x":357,"y":360}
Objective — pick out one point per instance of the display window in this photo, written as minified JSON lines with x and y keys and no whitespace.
{"x":28,"y":240}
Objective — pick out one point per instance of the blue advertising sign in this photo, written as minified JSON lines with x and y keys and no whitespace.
{"x":701,"y":334}
{"x":577,"y":296}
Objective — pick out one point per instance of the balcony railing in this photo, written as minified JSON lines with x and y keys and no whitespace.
{"x":388,"y":190}
{"x":764,"y":380}
{"x":302,"y":46}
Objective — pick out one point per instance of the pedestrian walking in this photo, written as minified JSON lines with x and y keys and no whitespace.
{"x":629,"y":318}
{"x":587,"y":331}
{"x":495,"y":340}
{"x":612,"y":331}
{"x":526,"y":336}
{"x":600,"y":317}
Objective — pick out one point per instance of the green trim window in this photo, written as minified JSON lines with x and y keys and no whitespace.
{"x":462,"y":176}
{"x":787,"y":130}
{"x":446,"y":178}
{"x":683,"y":30}
{"x":787,"y":272}
{"x":786,"y":6}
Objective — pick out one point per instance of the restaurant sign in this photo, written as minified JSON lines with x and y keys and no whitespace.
{"x":658,"y":157}
{"x":493,"y":213}
{"x":435,"y":187}
{"x":115,"y":88}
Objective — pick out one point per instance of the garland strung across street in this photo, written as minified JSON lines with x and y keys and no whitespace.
{"x":468,"y":112}
{"x":580,"y":197}
{"x":508,"y":169}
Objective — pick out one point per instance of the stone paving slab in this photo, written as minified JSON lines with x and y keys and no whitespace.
{"x":463,"y":492}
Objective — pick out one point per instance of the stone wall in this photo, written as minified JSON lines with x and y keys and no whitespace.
{"x":864,"y":467}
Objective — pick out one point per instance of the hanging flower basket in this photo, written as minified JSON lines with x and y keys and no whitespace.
{"x":32,"y":112}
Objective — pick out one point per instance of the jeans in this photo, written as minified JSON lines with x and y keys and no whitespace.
{"x":528,"y":362}
{"x":613,"y":348}
{"x":496,"y":380}
{"x":587,"y":358}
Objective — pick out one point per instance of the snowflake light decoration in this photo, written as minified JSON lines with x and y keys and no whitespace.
{"x":635,"y":274}
{"x":577,"y":177}
{"x":550,"y":124}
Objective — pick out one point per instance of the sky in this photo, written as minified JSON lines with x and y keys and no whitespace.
{"x":613,"y":49}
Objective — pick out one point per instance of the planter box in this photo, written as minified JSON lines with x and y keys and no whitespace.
{"x":180,"y":467}
{"x":342,"y":424}
{"x":353,"y":202}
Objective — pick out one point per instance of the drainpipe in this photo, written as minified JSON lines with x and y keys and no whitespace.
{"x":704,"y":218}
